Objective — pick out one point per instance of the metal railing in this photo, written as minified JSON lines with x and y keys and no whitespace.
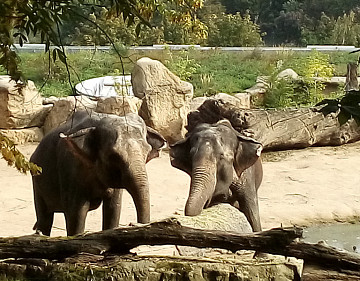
{"x":35,"y":48}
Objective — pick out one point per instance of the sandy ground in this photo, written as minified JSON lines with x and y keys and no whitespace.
{"x":300,"y":187}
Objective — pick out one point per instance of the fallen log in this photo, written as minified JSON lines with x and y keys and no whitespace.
{"x":122,"y":240}
{"x":279,"y":129}
{"x":278,"y":241}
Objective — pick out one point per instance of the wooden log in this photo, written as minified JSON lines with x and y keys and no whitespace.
{"x":352,"y":83}
{"x":311,"y":273}
{"x":275,"y":241}
{"x":279,"y":129}
{"x":121,"y":240}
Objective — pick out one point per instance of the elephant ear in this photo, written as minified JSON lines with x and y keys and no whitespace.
{"x":84,"y":156}
{"x":180,"y":155}
{"x":247,"y":153}
{"x":157,"y":142}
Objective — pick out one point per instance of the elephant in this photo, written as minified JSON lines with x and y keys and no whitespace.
{"x":224,"y":166}
{"x":88,"y":161}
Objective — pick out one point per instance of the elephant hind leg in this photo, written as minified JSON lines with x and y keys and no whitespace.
{"x":44,"y":217}
{"x":75,"y":218}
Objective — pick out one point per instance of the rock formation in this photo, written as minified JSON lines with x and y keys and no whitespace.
{"x":166,"y":98}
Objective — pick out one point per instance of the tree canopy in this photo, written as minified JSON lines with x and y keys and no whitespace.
{"x":21,"y":19}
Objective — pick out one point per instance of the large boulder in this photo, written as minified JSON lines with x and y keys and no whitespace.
{"x":63,"y":108}
{"x":219,"y":217}
{"x":288,"y":74}
{"x":241,"y":100}
{"x":119,"y":105}
{"x":197,"y":102}
{"x":20,"y":104}
{"x":166,"y":98}
{"x":260,"y":86}
{"x":21,"y":136}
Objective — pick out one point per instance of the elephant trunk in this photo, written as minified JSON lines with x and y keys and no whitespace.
{"x":203,"y":181}
{"x":138,"y":187}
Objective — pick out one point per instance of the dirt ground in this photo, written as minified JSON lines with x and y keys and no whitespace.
{"x":300,"y":187}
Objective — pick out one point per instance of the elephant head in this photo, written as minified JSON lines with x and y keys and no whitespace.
{"x":116,"y":150}
{"x":210,"y":154}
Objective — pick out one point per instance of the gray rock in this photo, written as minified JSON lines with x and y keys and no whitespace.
{"x":245,"y":99}
{"x":21,"y":136}
{"x":19,"y":104}
{"x":222,"y":217}
{"x":166,"y":98}
{"x":63,"y":108}
{"x":119,"y":105}
{"x":288,"y":74}
{"x":197,"y":102}
{"x":242,"y":102}
{"x":219,"y":217}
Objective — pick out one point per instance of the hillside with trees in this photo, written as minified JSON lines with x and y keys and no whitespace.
{"x":229,"y":23}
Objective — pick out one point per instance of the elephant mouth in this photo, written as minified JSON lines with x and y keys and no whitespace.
{"x":207,"y":204}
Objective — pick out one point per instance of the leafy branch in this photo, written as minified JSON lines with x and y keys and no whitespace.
{"x":15,"y":158}
{"x":346,"y":107}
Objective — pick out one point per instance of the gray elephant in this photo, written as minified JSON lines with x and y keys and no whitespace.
{"x":224,"y":167}
{"x":89,"y":160}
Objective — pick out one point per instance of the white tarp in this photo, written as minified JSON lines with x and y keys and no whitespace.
{"x":107,"y":86}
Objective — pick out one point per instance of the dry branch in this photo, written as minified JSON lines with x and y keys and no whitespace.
{"x":121,"y":240}
{"x":279,"y":129}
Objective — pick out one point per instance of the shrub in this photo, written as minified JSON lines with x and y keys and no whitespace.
{"x":182,"y":65}
{"x":232,"y":30}
{"x":314,"y":70}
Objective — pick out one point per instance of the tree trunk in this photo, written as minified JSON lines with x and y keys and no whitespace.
{"x":279,"y":129}
{"x":121,"y":240}
{"x":352,"y":83}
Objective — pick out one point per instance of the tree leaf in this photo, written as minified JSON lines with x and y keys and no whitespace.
{"x":138,"y":29}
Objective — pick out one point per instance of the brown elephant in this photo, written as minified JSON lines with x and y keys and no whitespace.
{"x":88,"y":161}
{"x":224,"y":166}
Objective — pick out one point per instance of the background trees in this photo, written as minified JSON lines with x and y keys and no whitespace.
{"x":276,"y":22}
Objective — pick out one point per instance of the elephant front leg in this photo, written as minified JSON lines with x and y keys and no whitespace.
{"x":112,"y":209}
{"x":246,"y":196}
{"x":75,"y":218}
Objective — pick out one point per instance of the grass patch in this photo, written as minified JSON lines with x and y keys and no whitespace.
{"x":210,"y":72}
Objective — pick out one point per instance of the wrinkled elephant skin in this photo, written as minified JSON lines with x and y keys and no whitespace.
{"x":90,"y":160}
{"x":224,"y":167}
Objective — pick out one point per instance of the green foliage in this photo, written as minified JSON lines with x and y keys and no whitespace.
{"x":347,"y":30}
{"x":340,"y":60}
{"x":52,"y":79}
{"x":280,"y":92}
{"x":318,"y":32}
{"x":232,"y":30}
{"x":225,"y":72}
{"x":346,"y":107}
{"x":21,"y":19}
{"x":182,"y":65}
{"x":15,"y":158}
{"x":210,"y":72}
{"x":315,"y":70}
